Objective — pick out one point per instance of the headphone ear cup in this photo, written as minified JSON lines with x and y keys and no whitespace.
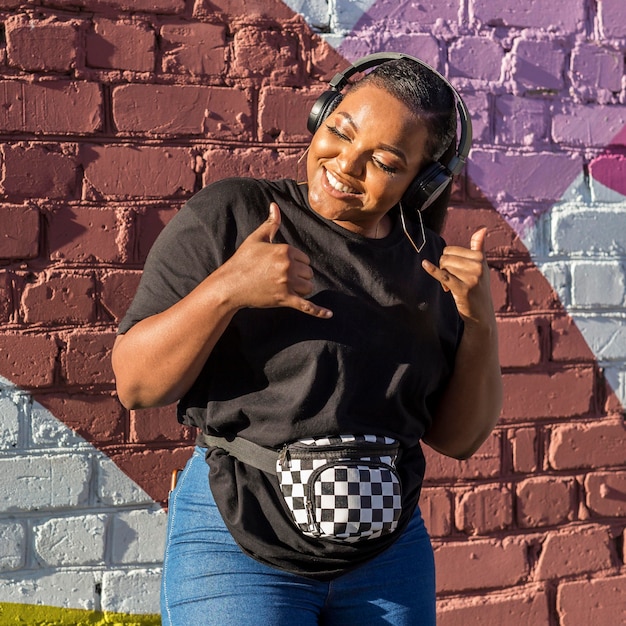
{"x":427,"y":186}
{"x":322,"y":108}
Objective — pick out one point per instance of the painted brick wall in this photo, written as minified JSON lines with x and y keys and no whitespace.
{"x":114,"y":112}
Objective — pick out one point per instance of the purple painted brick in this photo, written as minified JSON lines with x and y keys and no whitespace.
{"x":506,"y":176}
{"x":544,"y":14}
{"x":612,"y":14}
{"x":593,"y":66}
{"x":520,"y":121}
{"x":590,"y":125}
{"x":423,"y":12}
{"x":420,"y":45}
{"x":478,"y":106}
{"x":476,"y":57}
{"x":538,"y":65}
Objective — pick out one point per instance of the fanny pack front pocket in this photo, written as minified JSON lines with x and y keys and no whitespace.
{"x":344,"y":488}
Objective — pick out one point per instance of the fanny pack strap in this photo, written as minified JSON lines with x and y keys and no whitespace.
{"x":246,"y":451}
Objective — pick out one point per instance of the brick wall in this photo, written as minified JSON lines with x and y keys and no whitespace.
{"x":115,"y":112}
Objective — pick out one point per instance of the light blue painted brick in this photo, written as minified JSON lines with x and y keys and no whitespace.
{"x":605,"y":335}
{"x":12,"y":546}
{"x":131,"y":592}
{"x":71,"y":541}
{"x":9,"y":422}
{"x":138,"y":537}
{"x":589,"y":230}
{"x":598,"y":284}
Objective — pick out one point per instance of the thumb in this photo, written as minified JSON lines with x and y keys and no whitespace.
{"x":268,"y":229}
{"x":477,"y":241}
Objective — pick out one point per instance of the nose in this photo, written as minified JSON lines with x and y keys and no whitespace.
{"x":351,"y":160}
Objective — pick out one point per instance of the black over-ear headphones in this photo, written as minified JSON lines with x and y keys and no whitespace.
{"x":428,"y":185}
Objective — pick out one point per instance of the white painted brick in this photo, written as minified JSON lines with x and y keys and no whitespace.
{"x":315,"y":12}
{"x":71,"y":541}
{"x":47,"y":430}
{"x":12,"y":546}
{"x":131,"y":592}
{"x":115,"y":488}
{"x":589,"y":230}
{"x":64,"y":589}
{"x":44,"y":482}
{"x":598,"y":284}
{"x":9,"y":422}
{"x":557,"y":274}
{"x":138,"y":536}
{"x":347,"y":13}
{"x":605,"y":335}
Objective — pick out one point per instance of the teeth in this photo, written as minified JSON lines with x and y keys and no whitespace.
{"x":335,"y":184}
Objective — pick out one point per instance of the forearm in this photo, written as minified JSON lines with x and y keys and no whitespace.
{"x":158,"y":359}
{"x":471,"y":404}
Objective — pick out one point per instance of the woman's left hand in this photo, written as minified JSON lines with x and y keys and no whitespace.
{"x":464,"y":272}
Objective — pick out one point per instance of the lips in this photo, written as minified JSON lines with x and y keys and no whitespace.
{"x":339,"y":186}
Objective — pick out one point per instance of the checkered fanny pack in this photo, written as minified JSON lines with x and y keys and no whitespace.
{"x":342,"y":488}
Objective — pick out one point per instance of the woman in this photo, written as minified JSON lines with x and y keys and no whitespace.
{"x":273,"y":312}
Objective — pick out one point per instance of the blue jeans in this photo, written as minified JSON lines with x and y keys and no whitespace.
{"x":208,"y":580}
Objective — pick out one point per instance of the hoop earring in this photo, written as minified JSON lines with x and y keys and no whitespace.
{"x":406,"y":232}
{"x":298,"y":165}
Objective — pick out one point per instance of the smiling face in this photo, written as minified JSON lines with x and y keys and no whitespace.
{"x":363,"y":157}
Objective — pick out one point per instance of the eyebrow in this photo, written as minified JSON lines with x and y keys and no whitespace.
{"x":383,"y":146}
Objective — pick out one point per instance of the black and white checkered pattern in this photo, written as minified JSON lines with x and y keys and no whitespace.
{"x":344,"y":488}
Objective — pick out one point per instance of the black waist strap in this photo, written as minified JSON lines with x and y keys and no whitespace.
{"x":245,"y":451}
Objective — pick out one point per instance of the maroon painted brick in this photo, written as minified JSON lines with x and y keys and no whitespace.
{"x":436,"y":507}
{"x":484,"y":509}
{"x":283,"y":113}
{"x":595,"y":601}
{"x":524,"y":442}
{"x":540,"y":395}
{"x":530,"y":606}
{"x":254,"y":162}
{"x":83,"y":234}
{"x":117,"y":290}
{"x":530,"y":290}
{"x":545,"y":501}
{"x":88,"y":358}
{"x":41,"y":45}
{"x":568,"y":344}
{"x":499,"y":290}
{"x":598,"y":444}
{"x":268,"y":53}
{"x":519,"y":342}
{"x":144,"y":6}
{"x":38,"y":172}
{"x":485,"y":463}
{"x":99,"y":418}
{"x":28,"y":360}
{"x":606,"y":493}
{"x":61,"y":106}
{"x":19,"y":232}
{"x":275,"y":9}
{"x":137,"y":171}
{"x":58,"y":298}
{"x":198,"y":49}
{"x":159,"y":424}
{"x":151,"y":468}
{"x":150,"y":222}
{"x":480,"y":564}
{"x":120,"y":45}
{"x":579,"y":550}
{"x":6,"y":297}
{"x":219,"y":112}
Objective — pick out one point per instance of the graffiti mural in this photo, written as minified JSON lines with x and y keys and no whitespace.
{"x":114,"y":113}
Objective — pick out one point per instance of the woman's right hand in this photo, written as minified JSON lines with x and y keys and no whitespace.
{"x":263,"y":274}
{"x":158,"y":359}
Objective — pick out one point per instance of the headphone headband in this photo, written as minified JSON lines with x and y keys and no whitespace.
{"x":430,"y":183}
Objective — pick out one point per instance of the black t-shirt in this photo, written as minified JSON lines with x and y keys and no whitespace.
{"x":377,"y":366}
